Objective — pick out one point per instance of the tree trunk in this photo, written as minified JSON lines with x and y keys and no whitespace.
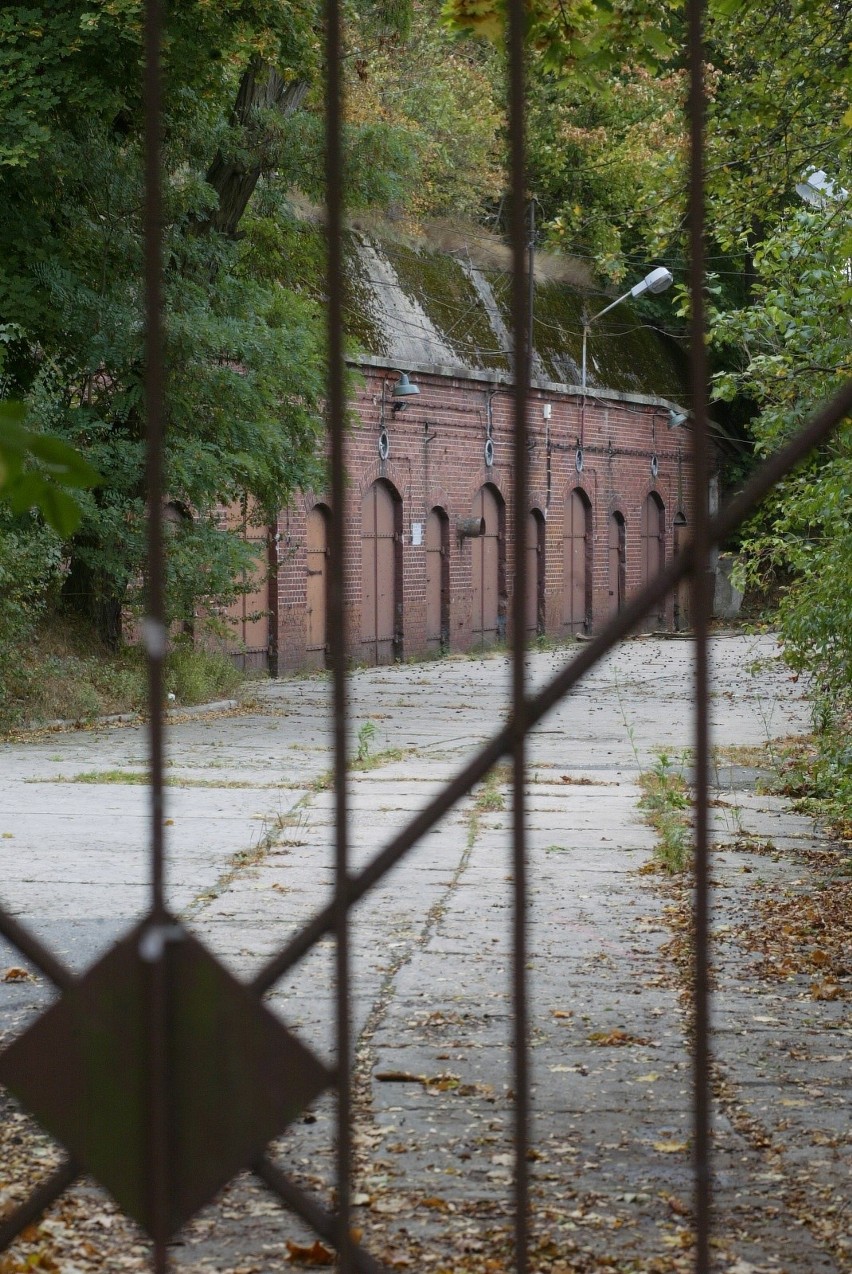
{"x":234,"y":181}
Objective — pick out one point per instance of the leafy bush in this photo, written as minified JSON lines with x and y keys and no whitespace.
{"x":29,"y":575}
{"x":200,"y":676}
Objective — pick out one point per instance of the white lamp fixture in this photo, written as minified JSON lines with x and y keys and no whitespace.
{"x":657,"y":281}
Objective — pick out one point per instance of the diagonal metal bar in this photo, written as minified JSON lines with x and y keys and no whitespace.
{"x":720,"y":527}
{"x":701,"y":604}
{"x":34,"y":951}
{"x":521,"y":285}
{"x":325,"y":1223}
{"x":38,"y":1202}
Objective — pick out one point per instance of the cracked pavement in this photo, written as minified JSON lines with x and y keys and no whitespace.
{"x":250,"y":845}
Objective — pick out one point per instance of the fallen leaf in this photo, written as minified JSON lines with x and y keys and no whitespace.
{"x":825,"y":991}
{"x":17,"y":974}
{"x":399,"y":1077}
{"x":616,"y":1038}
{"x":670,"y":1147}
{"x":316,"y":1254}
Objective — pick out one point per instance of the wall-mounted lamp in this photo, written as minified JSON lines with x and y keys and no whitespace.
{"x":677,"y":418}
{"x":402,"y":390}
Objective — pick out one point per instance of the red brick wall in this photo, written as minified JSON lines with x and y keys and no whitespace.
{"x":437,"y":457}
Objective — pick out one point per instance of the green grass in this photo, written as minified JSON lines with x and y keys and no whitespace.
{"x":142,"y":777}
{"x":666,"y":804}
{"x":67,"y":674}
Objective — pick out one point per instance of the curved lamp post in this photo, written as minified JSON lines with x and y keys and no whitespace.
{"x":657,"y":281}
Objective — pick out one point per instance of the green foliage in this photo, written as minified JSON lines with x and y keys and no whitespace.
{"x":244,"y":354}
{"x":439,"y":96}
{"x":30,"y":572}
{"x":36,"y":469}
{"x":199,"y":676}
{"x":666,"y":804}
{"x":366,"y":734}
{"x":790,"y":351}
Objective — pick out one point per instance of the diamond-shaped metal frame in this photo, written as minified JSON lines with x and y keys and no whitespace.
{"x":510,"y":741}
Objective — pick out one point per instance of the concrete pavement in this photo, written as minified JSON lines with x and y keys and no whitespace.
{"x":250,"y":859}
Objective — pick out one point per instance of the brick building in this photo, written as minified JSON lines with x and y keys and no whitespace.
{"x":430,"y":525}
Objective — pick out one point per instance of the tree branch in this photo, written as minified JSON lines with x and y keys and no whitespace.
{"x":234,"y":180}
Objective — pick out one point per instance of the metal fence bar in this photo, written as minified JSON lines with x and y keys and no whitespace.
{"x":701,"y":606}
{"x":336,"y":421}
{"x":28,"y":1212}
{"x":156,"y":997}
{"x":324,"y":1223}
{"x":34,"y":951}
{"x":521,"y":282}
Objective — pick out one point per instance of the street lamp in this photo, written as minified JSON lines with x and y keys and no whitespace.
{"x":657,"y":281}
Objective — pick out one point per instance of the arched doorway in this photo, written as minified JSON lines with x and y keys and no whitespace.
{"x":680,"y":532}
{"x":381,"y":574}
{"x":535,"y":573}
{"x":653,"y":554}
{"x":316,"y":600}
{"x":617,"y":564}
{"x":488,"y":568}
{"x":437,"y":580}
{"x":577,"y":563}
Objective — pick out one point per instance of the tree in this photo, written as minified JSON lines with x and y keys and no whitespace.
{"x":244,"y":356}
{"x":787,"y":353}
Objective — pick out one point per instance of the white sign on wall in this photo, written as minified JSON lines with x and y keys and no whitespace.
{"x":416,"y":533}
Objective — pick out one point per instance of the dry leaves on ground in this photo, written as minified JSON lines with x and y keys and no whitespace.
{"x":616,"y":1038}
{"x":806,"y":932}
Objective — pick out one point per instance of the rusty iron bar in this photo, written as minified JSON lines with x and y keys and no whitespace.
{"x":733,"y":513}
{"x":521,"y":347}
{"x":701,"y":604}
{"x":28,"y":1212}
{"x":33,"y":950}
{"x":156,"y":998}
{"x":336,"y":407}
{"x":324,"y":1223}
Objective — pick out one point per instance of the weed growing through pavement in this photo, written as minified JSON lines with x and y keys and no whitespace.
{"x":364,"y":759}
{"x":488,"y":800}
{"x":366,"y":734}
{"x":665,"y":802}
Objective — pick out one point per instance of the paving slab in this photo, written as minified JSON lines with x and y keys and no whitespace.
{"x":250,"y":842}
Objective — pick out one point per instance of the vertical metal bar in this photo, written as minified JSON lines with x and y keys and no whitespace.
{"x":336,"y":410}
{"x":521,"y":319}
{"x":701,"y":617}
{"x":154,"y":626}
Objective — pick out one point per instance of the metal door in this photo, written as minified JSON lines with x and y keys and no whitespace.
{"x":485,"y":569}
{"x":379,"y":574}
{"x":577,"y":564}
{"x":681,"y":592}
{"x":535,"y":542}
{"x":617,"y":563}
{"x":437,"y":580}
{"x":249,"y":616}
{"x":316,"y":596}
{"x":653,"y":556}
